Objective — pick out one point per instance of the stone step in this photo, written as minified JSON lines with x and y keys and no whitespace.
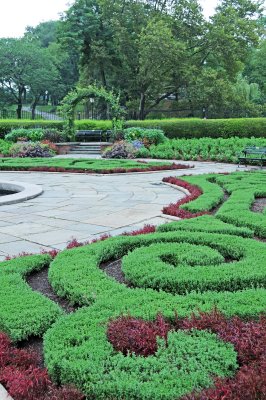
{"x":84,"y":152}
{"x":86,"y":148}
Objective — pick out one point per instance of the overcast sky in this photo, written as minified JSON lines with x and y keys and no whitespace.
{"x":15,"y":15}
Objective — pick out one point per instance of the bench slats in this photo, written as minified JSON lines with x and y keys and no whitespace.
{"x":253,"y":154}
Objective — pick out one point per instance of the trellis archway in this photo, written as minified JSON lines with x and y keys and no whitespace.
{"x":72,"y":99}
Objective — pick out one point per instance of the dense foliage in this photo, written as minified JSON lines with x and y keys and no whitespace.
{"x":122,"y":44}
{"x":202,"y":149}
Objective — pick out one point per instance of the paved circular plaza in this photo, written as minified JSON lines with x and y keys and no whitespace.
{"x":86,"y":206}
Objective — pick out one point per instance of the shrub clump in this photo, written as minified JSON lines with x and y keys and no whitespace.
{"x":25,"y":380}
{"x":4,"y":147}
{"x":132,"y":335}
{"x":31,"y":149}
{"x":146,"y":136}
{"x":121,"y":149}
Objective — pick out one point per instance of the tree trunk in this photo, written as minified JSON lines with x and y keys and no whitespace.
{"x":20,"y":102}
{"x":33,"y":107}
{"x":142,"y":106}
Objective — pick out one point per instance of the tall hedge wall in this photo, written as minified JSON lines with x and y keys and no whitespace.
{"x":6,"y":125}
{"x":196,"y":128}
{"x":173,"y":128}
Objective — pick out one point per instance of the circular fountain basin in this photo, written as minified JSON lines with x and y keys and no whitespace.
{"x":12,"y":192}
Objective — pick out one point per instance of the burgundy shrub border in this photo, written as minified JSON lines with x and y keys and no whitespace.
{"x":174,"y":209}
{"x":24,"y":380}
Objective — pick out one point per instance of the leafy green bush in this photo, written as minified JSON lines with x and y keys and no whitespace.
{"x":204,"y":149}
{"x":34,"y":135}
{"x":198,"y":128}
{"x":5,"y":147}
{"x":148,"y":136}
{"x":7,"y":125}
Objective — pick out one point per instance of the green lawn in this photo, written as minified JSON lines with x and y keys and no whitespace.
{"x":79,"y":165}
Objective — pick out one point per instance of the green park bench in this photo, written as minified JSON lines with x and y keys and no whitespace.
{"x":252,"y":154}
{"x":85,"y":135}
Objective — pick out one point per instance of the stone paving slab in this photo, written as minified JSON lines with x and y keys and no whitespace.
{"x":85,"y":206}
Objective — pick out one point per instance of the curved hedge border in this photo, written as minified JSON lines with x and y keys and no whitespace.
{"x":76,"y":347}
{"x":24,"y":312}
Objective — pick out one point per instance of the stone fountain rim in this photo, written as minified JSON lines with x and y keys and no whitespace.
{"x":24,"y":191}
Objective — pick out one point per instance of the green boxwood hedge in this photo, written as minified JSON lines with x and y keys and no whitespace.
{"x":6,"y":125}
{"x":173,"y":128}
{"x":197,"y":128}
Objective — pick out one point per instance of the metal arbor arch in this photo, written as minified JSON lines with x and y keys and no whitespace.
{"x":73,"y":98}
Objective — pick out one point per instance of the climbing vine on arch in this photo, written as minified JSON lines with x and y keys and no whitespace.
{"x":73,"y":98}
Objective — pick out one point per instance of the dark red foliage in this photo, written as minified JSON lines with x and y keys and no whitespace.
{"x":24,"y":380}
{"x":53,"y":253}
{"x":131,"y":335}
{"x":174,"y":208}
{"x":101,"y":238}
{"x":142,"y":231}
{"x":74,"y":243}
{"x":248,"y":384}
{"x":249,"y":340}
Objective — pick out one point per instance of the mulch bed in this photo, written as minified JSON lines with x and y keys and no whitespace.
{"x":259,"y":205}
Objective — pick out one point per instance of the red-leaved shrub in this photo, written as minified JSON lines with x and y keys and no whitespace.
{"x":131,"y":335}
{"x":142,"y":231}
{"x":174,"y":208}
{"x":249,"y":340}
{"x":24,"y":380}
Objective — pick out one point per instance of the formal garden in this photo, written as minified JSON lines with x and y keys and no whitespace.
{"x":133,"y":267}
{"x":161,"y":313}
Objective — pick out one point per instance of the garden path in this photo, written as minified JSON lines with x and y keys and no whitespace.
{"x":86,"y":206}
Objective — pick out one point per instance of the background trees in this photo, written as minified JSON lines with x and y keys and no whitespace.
{"x":148,"y":51}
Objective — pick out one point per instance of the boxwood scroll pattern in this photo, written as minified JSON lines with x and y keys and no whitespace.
{"x":77,"y":349}
{"x":72,"y":99}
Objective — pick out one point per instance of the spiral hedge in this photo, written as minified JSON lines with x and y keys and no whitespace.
{"x":183,"y":273}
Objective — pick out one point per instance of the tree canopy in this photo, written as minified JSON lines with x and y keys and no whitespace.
{"x":149,"y":51}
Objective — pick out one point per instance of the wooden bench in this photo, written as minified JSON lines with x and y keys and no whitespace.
{"x":84,"y":135}
{"x":257,"y":154}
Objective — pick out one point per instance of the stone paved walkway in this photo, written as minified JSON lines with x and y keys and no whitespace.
{"x":86,"y":206}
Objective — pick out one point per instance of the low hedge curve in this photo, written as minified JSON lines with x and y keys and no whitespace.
{"x":80,"y":339}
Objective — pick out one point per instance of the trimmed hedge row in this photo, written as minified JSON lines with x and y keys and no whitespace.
{"x":173,"y":128}
{"x":197,"y":128}
{"x":24,"y":312}
{"x":214,"y":128}
{"x":6,"y":125}
{"x":206,"y":223}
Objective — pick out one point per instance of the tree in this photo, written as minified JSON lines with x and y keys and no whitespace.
{"x":25,"y":68}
